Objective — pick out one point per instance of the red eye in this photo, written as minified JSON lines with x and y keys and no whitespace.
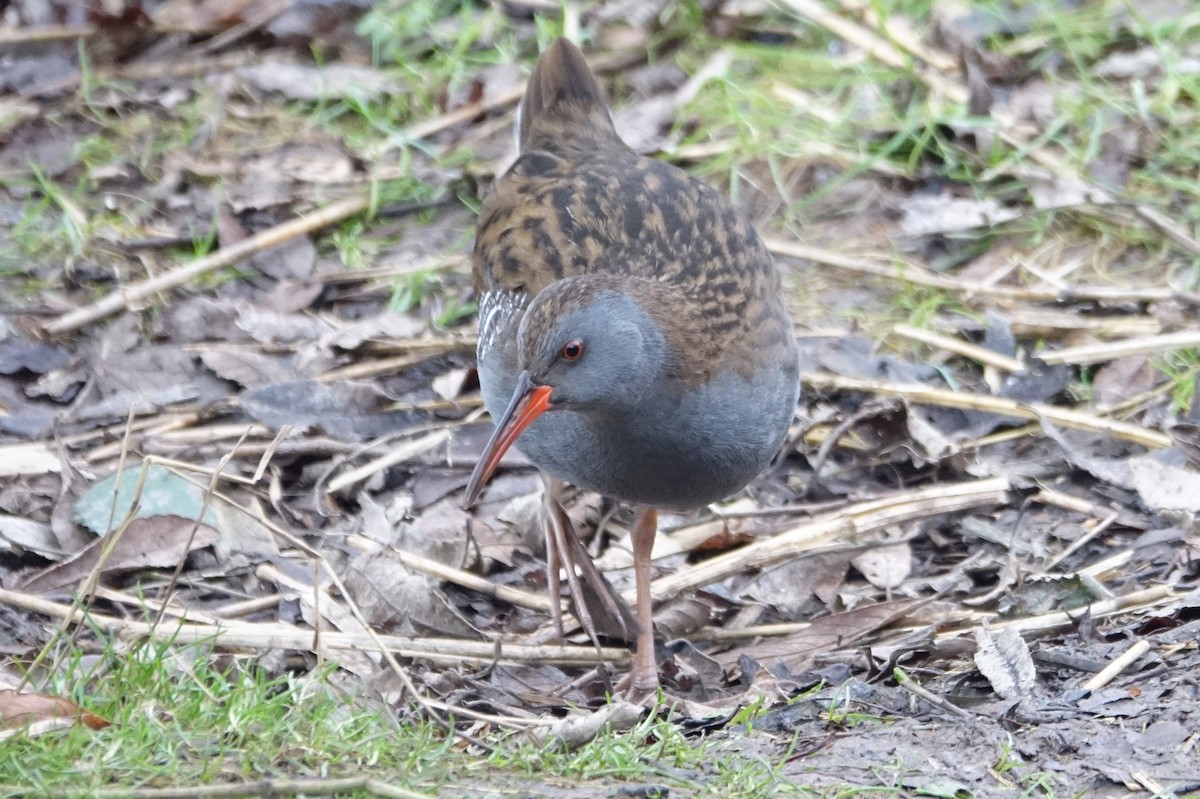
{"x":572,"y":350}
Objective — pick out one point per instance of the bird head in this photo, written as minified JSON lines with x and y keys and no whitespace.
{"x":585,"y":347}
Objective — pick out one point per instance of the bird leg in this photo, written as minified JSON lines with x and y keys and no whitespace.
{"x":553,"y":519}
{"x":645,"y":666}
{"x":597,"y":605}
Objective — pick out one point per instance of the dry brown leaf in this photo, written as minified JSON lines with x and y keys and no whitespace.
{"x":316,"y":83}
{"x":271,"y":327}
{"x":449,"y":386}
{"x":19,"y":710}
{"x":345,"y":410}
{"x":944,"y":213}
{"x":1119,"y":380}
{"x":885,"y":567}
{"x":149,"y":542}
{"x":797,"y":650}
{"x":246,"y":367}
{"x":1005,"y":660}
{"x":26,"y":534}
{"x":575,"y":731}
{"x":684,"y":615}
{"x":393,"y":596}
{"x":1162,"y":479}
{"x":384,"y":326}
{"x":243,"y":534}
{"x":787,"y":588}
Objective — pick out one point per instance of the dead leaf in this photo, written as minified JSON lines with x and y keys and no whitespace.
{"x":576,"y":730}
{"x":440,"y":534}
{"x":1059,"y":191}
{"x":393,"y":596}
{"x":243,"y":534}
{"x":885,"y":567}
{"x":313,"y":83}
{"x":292,"y":260}
{"x":797,"y":650}
{"x":290,"y":296}
{"x":18,"y":459}
{"x":1117,"y":381}
{"x":246,"y":367}
{"x":19,"y":710}
{"x":1143,"y":63}
{"x":348,"y":411}
{"x":149,"y":542}
{"x":943,"y":213}
{"x":1005,"y":660}
{"x":1162,"y":479}
{"x":28,"y":535}
{"x":271,"y":327}
{"x":694,"y":674}
{"x":788,"y":587}
{"x":684,"y":615}
{"x":1186,"y":436}
{"x":18,"y":353}
{"x":381,"y":327}
{"x":449,"y":386}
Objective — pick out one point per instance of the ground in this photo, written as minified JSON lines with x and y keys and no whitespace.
{"x":238,"y":407}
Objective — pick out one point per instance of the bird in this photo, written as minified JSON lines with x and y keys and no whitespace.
{"x":634,"y":338}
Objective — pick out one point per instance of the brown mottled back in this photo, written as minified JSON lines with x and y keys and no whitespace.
{"x":578,"y":201}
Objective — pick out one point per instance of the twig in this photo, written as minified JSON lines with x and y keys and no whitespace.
{"x":472,"y":582}
{"x":1048,"y":622}
{"x":908,"y":684}
{"x":896,"y":269}
{"x":36,"y":34}
{"x":1111,"y":350}
{"x":922,"y":395}
{"x":260,"y":14}
{"x":166,"y":607}
{"x":152,"y":426}
{"x":398,"y":454}
{"x":129,"y":297}
{"x":277,"y":635}
{"x":1040,"y":320}
{"x":1119,"y":664}
{"x":1079,"y":542}
{"x":1156,"y":789}
{"x":959,"y":347}
{"x":245,"y":607}
{"x":853,"y":520}
{"x":373,"y":367}
{"x":903,"y":35}
{"x":1058,"y":499}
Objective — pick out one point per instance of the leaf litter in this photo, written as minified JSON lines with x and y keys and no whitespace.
{"x":909,"y":569}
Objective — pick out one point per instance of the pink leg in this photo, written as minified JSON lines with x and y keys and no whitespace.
{"x":550,"y":518}
{"x":645,"y":665}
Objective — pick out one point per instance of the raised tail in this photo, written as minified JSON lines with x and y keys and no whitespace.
{"x":563,"y":104}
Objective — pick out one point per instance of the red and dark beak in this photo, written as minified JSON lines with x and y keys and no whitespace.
{"x":528,"y":403}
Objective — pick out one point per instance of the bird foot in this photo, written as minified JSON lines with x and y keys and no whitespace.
{"x":640,"y":688}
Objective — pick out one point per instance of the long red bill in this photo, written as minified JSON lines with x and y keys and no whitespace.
{"x":528,"y":403}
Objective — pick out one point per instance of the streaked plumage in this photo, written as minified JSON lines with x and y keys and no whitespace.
{"x":688,"y":374}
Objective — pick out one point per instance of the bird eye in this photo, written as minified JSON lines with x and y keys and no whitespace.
{"x":572,"y":350}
